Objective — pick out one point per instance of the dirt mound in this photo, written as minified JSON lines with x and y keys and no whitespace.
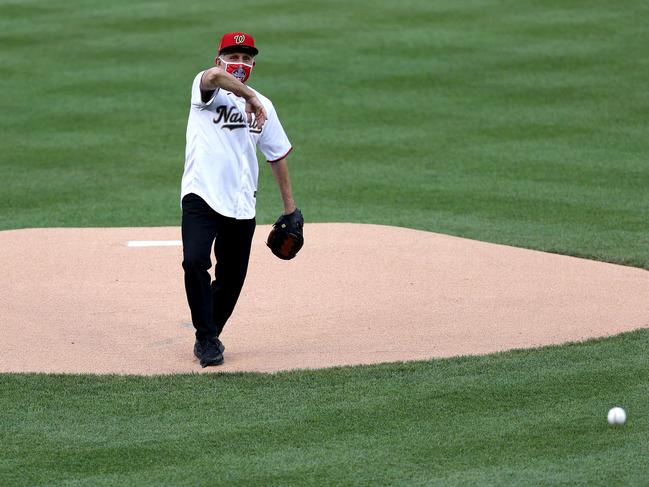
{"x":82,"y":300}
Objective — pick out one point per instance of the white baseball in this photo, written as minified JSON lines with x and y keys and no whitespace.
{"x":616,"y":415}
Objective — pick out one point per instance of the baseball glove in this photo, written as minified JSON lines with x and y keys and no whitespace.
{"x":286,"y":237}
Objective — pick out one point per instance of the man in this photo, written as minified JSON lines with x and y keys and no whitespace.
{"x":228,"y":120}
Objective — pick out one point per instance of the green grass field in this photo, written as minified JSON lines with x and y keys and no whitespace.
{"x":526,"y":417}
{"x":517,"y":122}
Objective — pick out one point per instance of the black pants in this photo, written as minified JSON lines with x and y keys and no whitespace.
{"x":212,"y":304}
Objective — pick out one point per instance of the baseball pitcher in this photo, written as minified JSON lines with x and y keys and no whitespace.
{"x":228,"y":121}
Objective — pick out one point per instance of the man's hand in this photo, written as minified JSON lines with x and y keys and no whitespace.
{"x":254,"y":107}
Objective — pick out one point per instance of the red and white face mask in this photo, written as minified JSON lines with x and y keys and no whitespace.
{"x":239,"y":70}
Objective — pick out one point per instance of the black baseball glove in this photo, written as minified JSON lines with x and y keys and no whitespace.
{"x":286,"y":238}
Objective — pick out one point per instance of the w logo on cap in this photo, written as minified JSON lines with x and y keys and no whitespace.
{"x":239,"y":39}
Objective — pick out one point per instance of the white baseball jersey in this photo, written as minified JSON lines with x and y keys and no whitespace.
{"x":221,"y":154}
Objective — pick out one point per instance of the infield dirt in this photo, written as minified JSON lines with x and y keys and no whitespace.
{"x":82,"y":301}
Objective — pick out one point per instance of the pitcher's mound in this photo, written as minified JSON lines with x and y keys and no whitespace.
{"x":81,"y":300}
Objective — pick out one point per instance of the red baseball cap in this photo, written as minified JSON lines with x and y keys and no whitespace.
{"x":238,"y":41}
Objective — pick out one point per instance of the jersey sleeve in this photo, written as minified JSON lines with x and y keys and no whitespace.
{"x":273,"y":142}
{"x":197,"y":99}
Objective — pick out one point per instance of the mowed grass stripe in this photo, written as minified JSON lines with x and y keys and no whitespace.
{"x":523,"y":417}
{"x":513,"y":122}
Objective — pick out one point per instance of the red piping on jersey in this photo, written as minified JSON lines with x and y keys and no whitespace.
{"x":280,"y":158}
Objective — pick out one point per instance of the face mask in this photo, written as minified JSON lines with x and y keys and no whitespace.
{"x":241,"y":71}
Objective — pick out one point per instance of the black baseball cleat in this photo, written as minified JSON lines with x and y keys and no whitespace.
{"x":209,"y":351}
{"x":197,"y":348}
